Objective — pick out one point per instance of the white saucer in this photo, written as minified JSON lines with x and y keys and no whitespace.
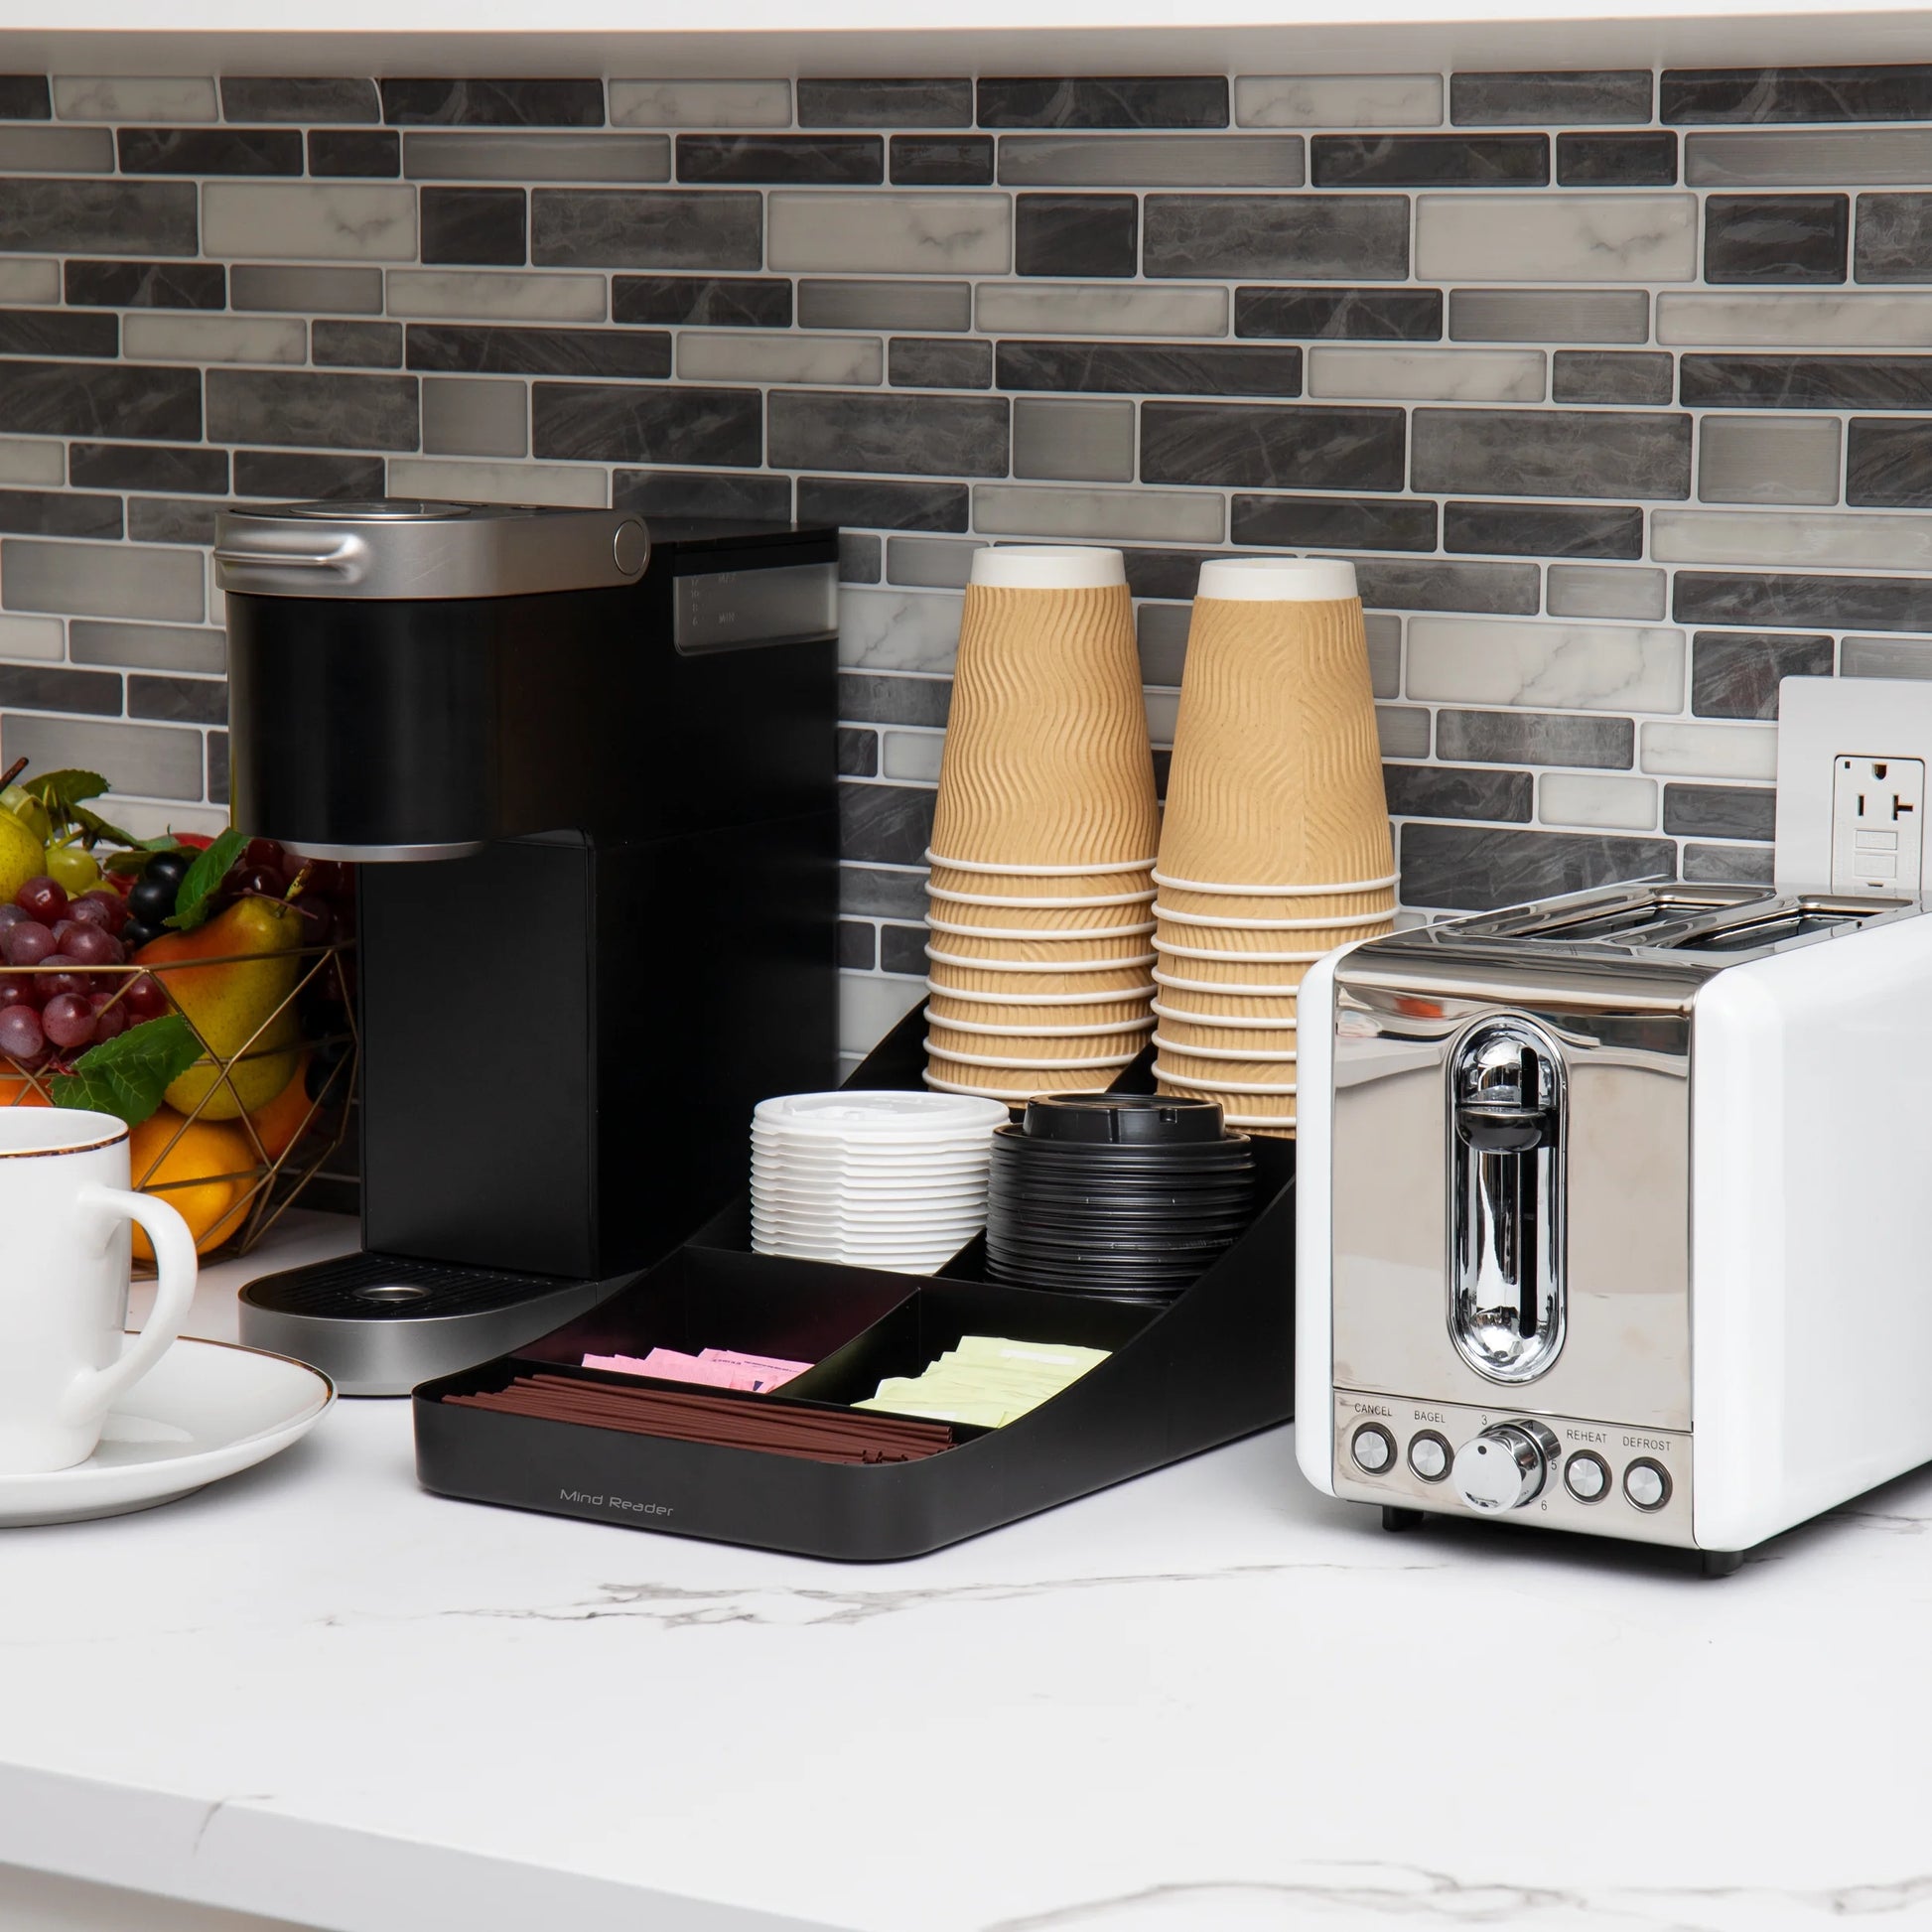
{"x":204,"y":1411}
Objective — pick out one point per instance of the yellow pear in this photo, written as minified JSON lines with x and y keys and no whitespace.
{"x":22,"y":857}
{"x":229,"y":977}
{"x":252,"y":1082}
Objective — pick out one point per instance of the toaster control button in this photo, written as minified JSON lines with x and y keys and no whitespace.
{"x":1646,"y":1484}
{"x":1429,"y":1456}
{"x":1505,"y":1466}
{"x":1373,"y":1448}
{"x":1587,"y":1477}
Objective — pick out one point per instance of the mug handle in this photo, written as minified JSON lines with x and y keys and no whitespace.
{"x":93,"y":1390}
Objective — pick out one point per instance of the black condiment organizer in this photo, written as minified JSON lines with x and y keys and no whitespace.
{"x":1213,"y":1364}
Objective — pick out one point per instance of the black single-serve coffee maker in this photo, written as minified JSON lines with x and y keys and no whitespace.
{"x":610,"y":753}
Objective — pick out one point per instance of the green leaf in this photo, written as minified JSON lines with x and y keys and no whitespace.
{"x":195,"y":901}
{"x":129,"y":1075}
{"x":98,"y":827}
{"x":62,"y":791}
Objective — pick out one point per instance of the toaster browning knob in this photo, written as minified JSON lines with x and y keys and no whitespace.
{"x":1505,"y":1466}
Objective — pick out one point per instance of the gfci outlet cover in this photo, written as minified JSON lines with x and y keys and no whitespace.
{"x":1824,"y":723}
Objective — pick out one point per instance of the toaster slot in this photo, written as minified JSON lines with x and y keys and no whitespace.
{"x":1507,"y":1238}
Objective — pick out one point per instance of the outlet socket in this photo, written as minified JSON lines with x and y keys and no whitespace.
{"x":1878,"y":811}
{"x":1853,"y":755}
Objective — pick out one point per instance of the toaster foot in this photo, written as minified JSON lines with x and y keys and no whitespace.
{"x":1722,"y":1563}
{"x":1401,"y":1519}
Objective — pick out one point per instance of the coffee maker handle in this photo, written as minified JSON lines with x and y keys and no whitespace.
{"x":94,"y":1392}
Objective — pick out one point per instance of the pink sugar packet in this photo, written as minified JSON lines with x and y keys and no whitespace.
{"x":715,"y":1368}
{"x":756,"y":1372}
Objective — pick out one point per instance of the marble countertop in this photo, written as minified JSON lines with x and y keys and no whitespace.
{"x":1209,"y":1701}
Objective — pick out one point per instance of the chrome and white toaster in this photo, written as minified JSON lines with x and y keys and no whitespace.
{"x":1616,"y":1213}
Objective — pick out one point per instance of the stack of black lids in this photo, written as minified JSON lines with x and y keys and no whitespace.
{"x":1122,"y":1194}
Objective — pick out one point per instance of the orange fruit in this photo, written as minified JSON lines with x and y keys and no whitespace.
{"x":280,"y":1121}
{"x":15,"y":1090}
{"x":210,"y":1168}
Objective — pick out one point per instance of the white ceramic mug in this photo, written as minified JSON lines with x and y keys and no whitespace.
{"x":65,"y":1209}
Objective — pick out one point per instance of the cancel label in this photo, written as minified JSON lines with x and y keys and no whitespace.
{"x":1371,"y":1409}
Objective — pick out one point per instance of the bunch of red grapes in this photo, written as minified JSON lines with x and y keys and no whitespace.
{"x":67,"y":1003}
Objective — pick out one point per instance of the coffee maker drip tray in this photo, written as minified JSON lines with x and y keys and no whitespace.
{"x":379,"y":1324}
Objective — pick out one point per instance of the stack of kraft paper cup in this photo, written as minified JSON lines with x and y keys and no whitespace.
{"x":1275,"y":847}
{"x":1044,"y":834}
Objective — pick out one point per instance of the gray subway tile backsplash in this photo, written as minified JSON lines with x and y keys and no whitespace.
{"x":1096,"y":309}
{"x":1585,"y":236}
{"x":455,"y":155}
{"x":1548,"y":315}
{"x":129,"y":285}
{"x":1152,"y":368}
{"x":1620,"y":422}
{"x":1775,"y":158}
{"x":371,"y":153}
{"x":1577,"y":97}
{"x":1338,"y":100}
{"x":871,"y":232}
{"x":1636,"y":160}
{"x":101,"y":580}
{"x":1286,"y":238}
{"x":941,"y":159}
{"x":1821,"y":93}
{"x":611,"y":227}
{"x":342,"y":221}
{"x":24,"y":98}
{"x":89,"y":218}
{"x":1152,"y":161}
{"x":898,"y":433}
{"x":700,"y":103}
{"x":329,"y":99}
{"x":57,"y":151}
{"x":847,"y":160}
{"x":1150,"y":100}
{"x":459,"y":348}
{"x":1381,"y":315}
{"x":1073,"y":439}
{"x":135,"y":97}
{"x":885,"y":103}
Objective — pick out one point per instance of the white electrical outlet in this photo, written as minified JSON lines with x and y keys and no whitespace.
{"x":1853,"y":755}
{"x":1878,"y":810}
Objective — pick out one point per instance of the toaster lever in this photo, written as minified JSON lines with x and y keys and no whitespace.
{"x":1506,"y":1312}
{"x":1503,"y":1130}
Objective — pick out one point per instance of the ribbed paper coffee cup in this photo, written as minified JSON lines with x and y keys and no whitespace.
{"x":1223,"y":1043}
{"x":1215,"y":1006}
{"x":1302,"y":948}
{"x":1317,"y":914}
{"x":1046,"y":760}
{"x":946,"y":915}
{"x":1049,"y":950}
{"x":1000,"y":1050}
{"x":961,"y":1009}
{"x":1277,"y":774}
{"x":943,"y":976}
{"x":1247,"y":973}
{"x":1267,"y":1114}
{"x":1230,"y":1076}
{"x":1129,"y":885}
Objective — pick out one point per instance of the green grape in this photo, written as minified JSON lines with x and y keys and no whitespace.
{"x":28,"y":809}
{"x":72,"y":869}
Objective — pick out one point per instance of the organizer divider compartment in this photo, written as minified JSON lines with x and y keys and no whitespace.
{"x":1184,"y":1376}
